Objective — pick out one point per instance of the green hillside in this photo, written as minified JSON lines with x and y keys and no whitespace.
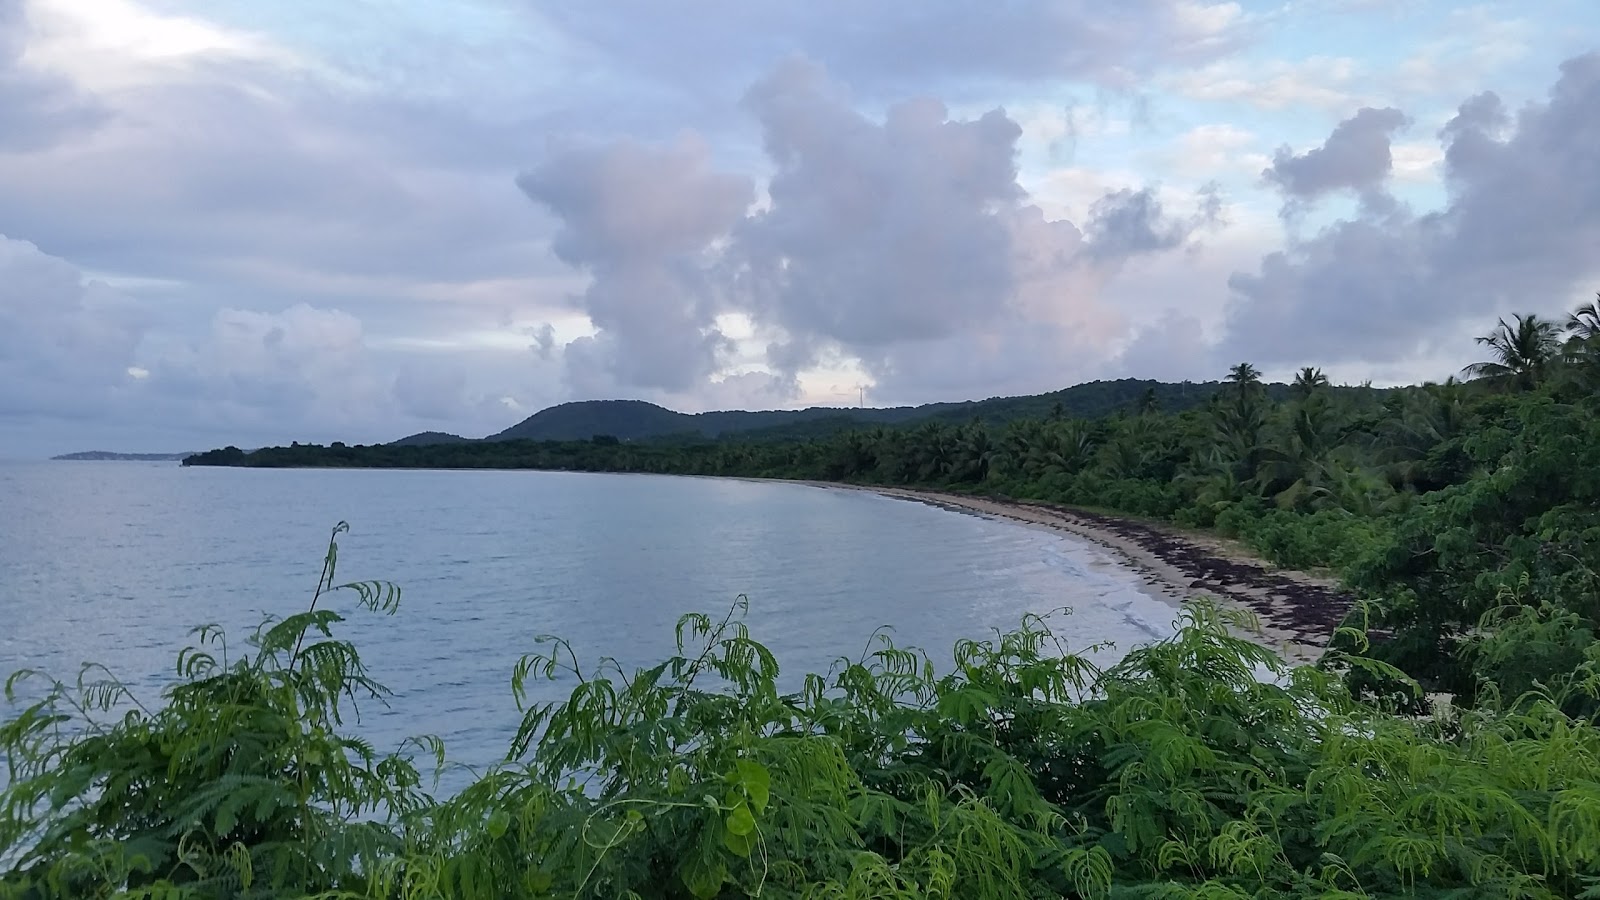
{"x":637,"y":420}
{"x":429,"y":438}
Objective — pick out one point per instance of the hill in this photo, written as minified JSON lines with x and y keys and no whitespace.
{"x":634,"y":420}
{"x":429,"y":438}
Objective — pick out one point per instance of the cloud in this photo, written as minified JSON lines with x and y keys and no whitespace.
{"x":877,"y":232}
{"x":432,"y":392}
{"x":298,"y":219}
{"x":263,"y":174}
{"x":1128,"y":223}
{"x":1169,"y":348}
{"x":66,"y":342}
{"x":251,"y":369}
{"x":641,"y":221}
{"x":37,"y":110}
{"x":909,"y":244}
{"x":903,"y":243}
{"x":1518,"y":232}
{"x":74,"y":349}
{"x":886,"y":48}
{"x":1318,"y":82}
{"x":1355,"y":157}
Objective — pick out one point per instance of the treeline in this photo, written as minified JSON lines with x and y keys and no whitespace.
{"x":637,"y":420}
{"x":1466,"y":513}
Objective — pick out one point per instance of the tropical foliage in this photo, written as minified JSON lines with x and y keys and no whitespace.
{"x":1436,"y":503}
{"x":1197,"y":767}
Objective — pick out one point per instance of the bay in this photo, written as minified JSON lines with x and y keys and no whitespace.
{"x":115,"y":562}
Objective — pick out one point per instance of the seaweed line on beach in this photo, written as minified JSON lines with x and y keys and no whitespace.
{"x":1298,"y":612}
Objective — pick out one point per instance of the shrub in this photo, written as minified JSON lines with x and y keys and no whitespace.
{"x":1024,"y":771}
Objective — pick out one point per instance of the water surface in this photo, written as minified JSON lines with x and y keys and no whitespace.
{"x":114,"y":562}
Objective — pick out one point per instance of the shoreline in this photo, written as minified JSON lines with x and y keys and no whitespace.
{"x":1297,"y":612}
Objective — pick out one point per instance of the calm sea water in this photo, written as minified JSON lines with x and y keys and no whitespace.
{"x":115,"y":562}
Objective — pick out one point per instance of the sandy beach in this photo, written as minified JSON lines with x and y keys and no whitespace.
{"x":1297,"y":612}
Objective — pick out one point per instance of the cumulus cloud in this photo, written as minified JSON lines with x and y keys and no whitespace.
{"x":904,"y":243}
{"x":641,"y":221}
{"x":251,"y":368}
{"x":72,"y":349}
{"x":908,"y":244}
{"x":66,"y":342}
{"x":322,"y":232}
{"x":1355,"y":157}
{"x":1518,"y":232}
{"x":878,"y":232}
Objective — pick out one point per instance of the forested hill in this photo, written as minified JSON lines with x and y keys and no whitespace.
{"x":634,"y":420}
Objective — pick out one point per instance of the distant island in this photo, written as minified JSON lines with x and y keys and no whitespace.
{"x":108,"y":456}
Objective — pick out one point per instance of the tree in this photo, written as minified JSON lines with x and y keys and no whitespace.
{"x":1584,"y":323}
{"x":1583,"y":347}
{"x":1148,"y":402}
{"x":1523,"y":353}
{"x":1307,"y":381}
{"x":1245,"y":378}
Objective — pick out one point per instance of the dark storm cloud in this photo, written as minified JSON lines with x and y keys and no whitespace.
{"x":1519,"y":232}
{"x":1355,"y":157}
{"x":36,"y":111}
{"x":641,"y":220}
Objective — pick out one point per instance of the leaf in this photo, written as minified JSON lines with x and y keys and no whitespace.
{"x":741,"y":845}
{"x":499,"y":821}
{"x":1114,"y":844}
{"x":704,"y":881}
{"x":756,"y":782}
{"x":740,"y":821}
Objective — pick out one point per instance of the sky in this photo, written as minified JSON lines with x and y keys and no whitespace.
{"x":236,"y":222}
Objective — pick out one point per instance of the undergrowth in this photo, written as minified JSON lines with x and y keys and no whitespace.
{"x":1024,"y":771}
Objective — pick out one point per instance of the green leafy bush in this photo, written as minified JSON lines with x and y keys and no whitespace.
{"x":1198,"y":767}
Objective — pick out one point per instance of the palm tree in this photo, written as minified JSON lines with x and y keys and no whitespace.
{"x":1523,"y":353}
{"x":1408,"y":440}
{"x":1148,"y":402}
{"x":1584,"y":323}
{"x":1244,"y":375}
{"x":973,"y":453}
{"x":1307,"y":381}
{"x":1296,"y":469}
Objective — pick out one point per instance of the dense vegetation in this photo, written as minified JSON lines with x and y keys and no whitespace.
{"x":1467,"y":513}
{"x":1023,"y":772}
{"x":631,"y":420}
